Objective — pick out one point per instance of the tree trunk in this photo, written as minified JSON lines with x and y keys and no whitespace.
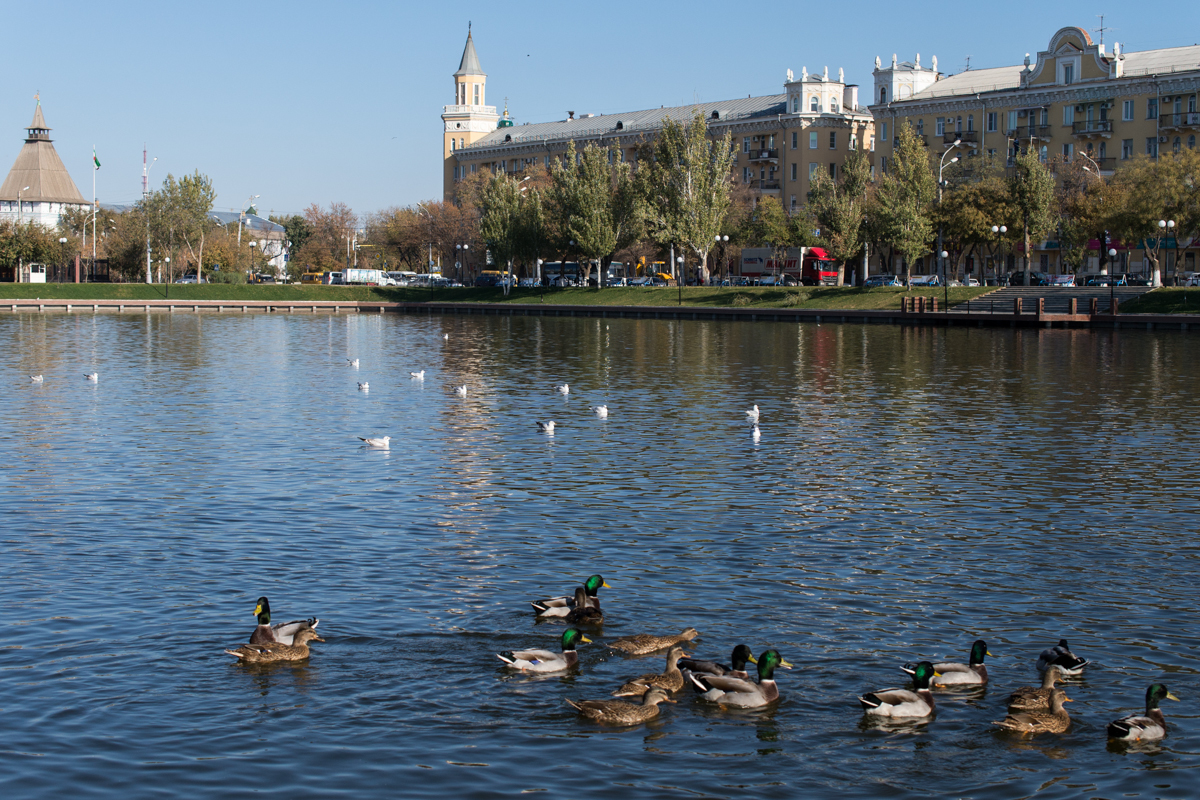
{"x":1025,"y":224}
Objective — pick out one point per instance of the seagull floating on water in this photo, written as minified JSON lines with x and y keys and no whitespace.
{"x":547,"y":426}
{"x":563,"y":388}
{"x":364,"y":387}
{"x":756,"y":434}
{"x":601,"y":411}
{"x":461,"y":391}
{"x":446,"y":336}
{"x":93,"y":377}
{"x":418,"y":375}
{"x":35,"y":378}
{"x":752,"y":414}
{"x":381,"y":442}
{"x":352,"y":362}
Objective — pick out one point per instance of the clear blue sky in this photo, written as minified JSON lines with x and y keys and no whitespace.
{"x":312,"y":102}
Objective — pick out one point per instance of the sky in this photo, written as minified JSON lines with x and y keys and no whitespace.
{"x":315,"y":102}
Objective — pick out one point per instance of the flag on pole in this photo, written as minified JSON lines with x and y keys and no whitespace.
{"x":95,"y":159}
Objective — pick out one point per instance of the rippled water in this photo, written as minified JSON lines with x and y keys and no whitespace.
{"x":914,"y":489}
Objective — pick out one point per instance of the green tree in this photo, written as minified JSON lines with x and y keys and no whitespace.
{"x":906,"y":199}
{"x":499,"y":222}
{"x":296,"y":229}
{"x":840,"y":210}
{"x":1157,"y":191}
{"x":1031,"y":193}
{"x":583,"y":195}
{"x":25,"y":243}
{"x":969,"y":209}
{"x":178,"y":216}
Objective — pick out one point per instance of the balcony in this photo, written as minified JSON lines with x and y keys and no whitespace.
{"x":469,"y":110}
{"x":764,"y":155}
{"x":765,"y":186}
{"x":967,"y":137}
{"x":1029,"y":132}
{"x":1092,"y":127}
{"x":1188,"y":119}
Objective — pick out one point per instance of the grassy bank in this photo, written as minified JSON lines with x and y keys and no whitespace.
{"x":1167,"y":300}
{"x":831,"y":297}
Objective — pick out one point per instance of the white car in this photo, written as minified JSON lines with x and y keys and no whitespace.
{"x":1194,"y":280}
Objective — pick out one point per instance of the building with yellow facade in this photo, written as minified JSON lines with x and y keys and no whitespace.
{"x":1076,"y":99}
{"x":781,"y":140}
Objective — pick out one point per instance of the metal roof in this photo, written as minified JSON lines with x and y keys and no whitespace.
{"x":251,"y":221}
{"x":39,"y":167}
{"x":470,"y":60}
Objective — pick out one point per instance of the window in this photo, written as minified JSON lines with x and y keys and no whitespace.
{"x":453,"y":145}
{"x":833,"y":106}
{"x":921,"y":126}
{"x":939,"y":126}
{"x":1068,"y":73}
{"x":814,"y":104}
{"x":793,"y":202}
{"x":970,"y":122}
{"x":1068,"y":114}
{"x":991,"y":121}
{"x":1103,"y":150}
{"x":1152,"y":108}
{"x":477,"y":94}
{"x":883,"y":129}
{"x":812,"y":171}
{"x":872,"y":173}
{"x":1012,"y":121}
{"x":745,"y":174}
{"x":1044,"y":154}
{"x":958,"y":124}
{"x":745,"y":144}
{"x":793,"y":170}
{"x":456,"y":173}
{"x":795,"y":105}
{"x":1126,"y":149}
{"x":771,"y":142}
{"x":853,"y":142}
{"x":883,"y":95}
{"x":1152,"y":145}
{"x":461,"y":143}
{"x":546,"y":162}
{"x":1127,"y":110}
{"x":833,"y":171}
{"x":1177,"y":144}
{"x":1192,"y":142}
{"x":872,"y":144}
{"x":1067,"y":150}
{"x":833,"y":140}
{"x":883,"y":164}
{"x":812,"y":140}
{"x":795,"y":138}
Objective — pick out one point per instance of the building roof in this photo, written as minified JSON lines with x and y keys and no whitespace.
{"x":249,"y":221}
{"x":39,"y":167}
{"x":470,"y":59}
{"x":742,"y":109}
{"x":1166,"y":60}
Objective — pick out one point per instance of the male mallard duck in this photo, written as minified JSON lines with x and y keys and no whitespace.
{"x":1053,"y":720}
{"x":1061,"y":656}
{"x":902,"y":702}
{"x":670,"y":679}
{"x":561,"y":606}
{"x":263,"y":653}
{"x":741,"y":654}
{"x":619,"y":712}
{"x":1027,"y":698}
{"x":644,"y":643}
{"x":585,"y":611}
{"x":280,"y":632}
{"x":729,"y":691}
{"x":545,"y":660}
{"x":952,"y":673}
{"x":1151,"y":725}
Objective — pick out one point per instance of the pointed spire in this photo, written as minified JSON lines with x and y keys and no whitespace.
{"x":470,"y":59}
{"x":39,"y":122}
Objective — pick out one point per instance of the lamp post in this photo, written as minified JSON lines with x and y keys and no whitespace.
{"x":722,"y":241}
{"x":1112,"y":253}
{"x":462,"y":257}
{"x":62,"y":253}
{"x":253,"y":271}
{"x":146,"y":196}
{"x":679,"y":278}
{"x":945,"y":285}
{"x":21,"y":205}
{"x":999,"y":230}
{"x":1164,"y":226}
{"x":941,"y":185}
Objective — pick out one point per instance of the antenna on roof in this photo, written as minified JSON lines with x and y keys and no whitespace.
{"x":968,"y":69}
{"x":1102,"y":29}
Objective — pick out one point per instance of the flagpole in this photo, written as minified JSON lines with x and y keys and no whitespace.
{"x":95,"y":169}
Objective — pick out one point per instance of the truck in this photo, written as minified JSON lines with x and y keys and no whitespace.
{"x":369,"y":277}
{"x":810,"y":266}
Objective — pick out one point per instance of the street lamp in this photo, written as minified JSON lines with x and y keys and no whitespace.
{"x":941,"y":184}
{"x":679,"y":278}
{"x":999,"y":230}
{"x":462,"y":253}
{"x":723,"y":242}
{"x":1112,"y":253}
{"x":1167,"y":225}
{"x":945,"y":284}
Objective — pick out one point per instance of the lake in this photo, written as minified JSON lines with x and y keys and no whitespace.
{"x":913,"y":489}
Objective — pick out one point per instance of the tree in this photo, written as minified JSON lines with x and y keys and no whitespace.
{"x":1154,"y":191}
{"x":840,"y":210}
{"x":178,"y":218}
{"x":906,"y":199}
{"x":24,"y":243}
{"x":974,"y":203}
{"x":326,"y":249}
{"x":500,"y":219}
{"x":1031,"y":193}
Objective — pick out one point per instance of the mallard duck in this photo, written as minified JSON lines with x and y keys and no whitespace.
{"x":585,"y":610}
{"x":1151,"y":725}
{"x":644,"y":643}
{"x":1028,"y":698}
{"x":1053,"y":720}
{"x":545,"y":660}
{"x":902,"y":702}
{"x":737,"y":669}
{"x":951,"y":673}
{"x":739,"y":692}
{"x":1061,"y":656}
{"x":561,"y":606}
{"x":280,"y":632}
{"x":619,"y":712}
{"x":262,"y":653}
{"x":670,"y":679}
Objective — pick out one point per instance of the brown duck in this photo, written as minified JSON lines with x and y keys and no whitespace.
{"x":644,"y":643}
{"x":670,"y":679}
{"x":263,"y":653}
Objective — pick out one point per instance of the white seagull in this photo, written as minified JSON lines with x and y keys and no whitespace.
{"x":364,"y":387}
{"x":756,"y":434}
{"x":36,"y":378}
{"x":377,"y":442}
{"x":461,"y":391}
{"x":547,"y":426}
{"x":752,"y":414}
{"x":418,"y":375}
{"x":446,"y":336}
{"x":352,"y":362}
{"x":563,"y":388}
{"x":93,"y":377}
{"x":601,"y":411}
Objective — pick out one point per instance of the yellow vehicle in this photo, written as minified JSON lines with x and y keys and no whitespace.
{"x":312,"y":279}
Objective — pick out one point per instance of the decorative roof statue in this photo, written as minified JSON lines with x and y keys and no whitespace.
{"x":790,"y":76}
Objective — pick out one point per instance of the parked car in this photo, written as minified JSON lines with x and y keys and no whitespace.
{"x":1193,"y":280}
{"x":1132,"y":279}
{"x":1035,"y":279}
{"x":925,"y":280}
{"x":190,"y":279}
{"x":881,"y":280}
{"x":972,"y":281}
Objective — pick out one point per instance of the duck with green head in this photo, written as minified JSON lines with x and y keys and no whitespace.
{"x":739,"y":692}
{"x":735,"y":669}
{"x":563,"y":605}
{"x":545,"y":660}
{"x":274,"y":651}
{"x":280,"y":632}
{"x":903,"y":703}
{"x":953,"y":673}
{"x":1151,"y":725}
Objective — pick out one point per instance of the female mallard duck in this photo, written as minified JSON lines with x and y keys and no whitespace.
{"x":644,"y":643}
{"x":280,"y":632}
{"x":545,"y":660}
{"x":736,"y":668}
{"x":952,"y":673}
{"x":1061,"y":656}
{"x":1151,"y":725}
{"x":619,"y":712}
{"x":902,"y":702}
{"x":1053,"y":720}
{"x":586,"y":611}
{"x":742,"y":693}
{"x":670,"y":679}
{"x":1027,"y":698}
{"x":274,"y":651}
{"x":561,"y":606}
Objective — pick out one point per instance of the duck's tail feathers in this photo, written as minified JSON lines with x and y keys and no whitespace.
{"x":503,"y":658}
{"x":235,"y":653}
{"x":910,"y":668}
{"x":573,"y":704}
{"x":541,"y":609}
{"x":1119,"y":729}
{"x":870,"y":700}
{"x":698,"y":683}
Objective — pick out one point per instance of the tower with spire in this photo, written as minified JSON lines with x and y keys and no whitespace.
{"x":51,"y":190}
{"x":469,"y":119}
